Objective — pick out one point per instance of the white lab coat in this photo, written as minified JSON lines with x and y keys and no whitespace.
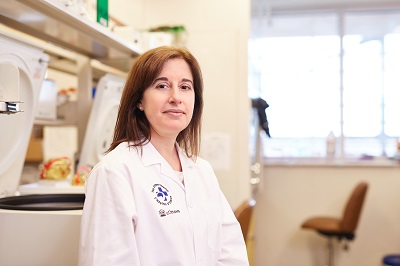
{"x":138,"y":212}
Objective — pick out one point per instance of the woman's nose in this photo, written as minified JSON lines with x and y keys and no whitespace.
{"x":174,"y":96}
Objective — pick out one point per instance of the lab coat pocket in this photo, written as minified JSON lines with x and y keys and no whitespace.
{"x":214,"y":228}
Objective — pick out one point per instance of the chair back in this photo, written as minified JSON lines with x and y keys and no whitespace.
{"x":353,"y":208}
{"x":243,"y":215}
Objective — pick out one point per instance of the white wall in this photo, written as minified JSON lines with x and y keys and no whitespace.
{"x":289,"y":195}
{"x":129,"y":12}
{"x":218,"y":34}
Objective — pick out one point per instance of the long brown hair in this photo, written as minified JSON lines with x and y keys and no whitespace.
{"x":132,"y":125}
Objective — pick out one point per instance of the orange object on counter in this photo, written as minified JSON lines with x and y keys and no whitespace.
{"x":80,"y":176}
{"x":56,"y":169}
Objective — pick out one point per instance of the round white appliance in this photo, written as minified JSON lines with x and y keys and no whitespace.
{"x":40,"y":230}
{"x":34,"y":229}
{"x":102,"y":119}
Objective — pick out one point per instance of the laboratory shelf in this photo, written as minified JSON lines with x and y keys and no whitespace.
{"x":59,"y":24}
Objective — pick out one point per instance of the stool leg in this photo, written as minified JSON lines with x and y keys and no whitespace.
{"x":330,"y":252}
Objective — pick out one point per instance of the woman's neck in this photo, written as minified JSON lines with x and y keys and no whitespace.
{"x":167,"y":149}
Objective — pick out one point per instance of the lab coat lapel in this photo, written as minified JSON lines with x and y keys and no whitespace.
{"x":187,"y":163}
{"x":187,"y":168}
{"x":151,"y":156}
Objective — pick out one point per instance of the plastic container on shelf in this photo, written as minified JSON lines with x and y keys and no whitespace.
{"x":330,"y":145}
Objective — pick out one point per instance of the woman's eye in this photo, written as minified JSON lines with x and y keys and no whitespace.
{"x":161,"y":86}
{"x":185,"y":87}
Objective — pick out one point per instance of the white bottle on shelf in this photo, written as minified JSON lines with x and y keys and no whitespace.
{"x":330,"y":145}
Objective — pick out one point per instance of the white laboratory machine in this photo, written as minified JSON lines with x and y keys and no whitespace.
{"x":34,"y":229}
{"x":102,"y":119}
{"x":42,"y":226}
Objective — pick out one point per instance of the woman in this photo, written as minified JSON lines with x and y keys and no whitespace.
{"x":151,"y":200}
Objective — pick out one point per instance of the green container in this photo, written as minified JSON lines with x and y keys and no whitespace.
{"x":102,"y":12}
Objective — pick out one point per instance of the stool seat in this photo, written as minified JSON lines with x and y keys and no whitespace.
{"x":329,"y":224}
{"x":392,"y":260}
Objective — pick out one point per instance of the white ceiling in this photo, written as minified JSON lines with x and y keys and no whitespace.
{"x":260,"y":6}
{"x":263,"y":10}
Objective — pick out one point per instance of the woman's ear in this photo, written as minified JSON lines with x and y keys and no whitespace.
{"x":140,"y":106}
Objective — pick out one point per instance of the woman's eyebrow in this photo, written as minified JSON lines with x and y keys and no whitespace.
{"x":166,"y":79}
{"x":160,"y":78}
{"x":187,"y":80}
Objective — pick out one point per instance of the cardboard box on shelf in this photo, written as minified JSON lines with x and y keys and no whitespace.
{"x":35,"y":150}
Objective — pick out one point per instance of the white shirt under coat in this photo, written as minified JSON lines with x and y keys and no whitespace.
{"x":138,"y":212}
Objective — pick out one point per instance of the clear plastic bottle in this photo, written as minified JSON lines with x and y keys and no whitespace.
{"x":397,"y":155}
{"x":330,"y":145}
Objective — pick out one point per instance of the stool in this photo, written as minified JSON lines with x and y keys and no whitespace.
{"x":340,"y":228}
{"x":391,"y":260}
{"x":243,"y":214}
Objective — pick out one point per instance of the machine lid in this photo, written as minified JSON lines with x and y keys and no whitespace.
{"x":47,"y":202}
{"x":15,"y":131}
{"x":103,"y":116}
{"x":31,"y":63}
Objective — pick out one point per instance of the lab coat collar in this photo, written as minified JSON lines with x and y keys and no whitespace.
{"x":151,"y":156}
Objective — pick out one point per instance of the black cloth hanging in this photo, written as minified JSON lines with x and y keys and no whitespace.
{"x":260,"y":105}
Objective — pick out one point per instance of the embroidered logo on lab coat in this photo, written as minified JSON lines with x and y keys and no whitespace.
{"x":161,"y":194}
{"x":165,"y":213}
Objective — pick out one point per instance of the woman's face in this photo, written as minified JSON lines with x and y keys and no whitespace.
{"x":168,"y":102}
